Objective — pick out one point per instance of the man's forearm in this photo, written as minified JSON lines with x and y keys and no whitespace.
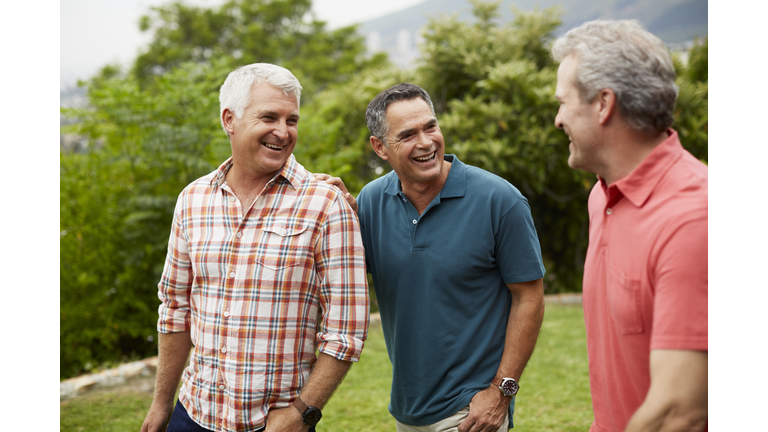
{"x":525,"y":318}
{"x":173,"y":351}
{"x":324,"y":380}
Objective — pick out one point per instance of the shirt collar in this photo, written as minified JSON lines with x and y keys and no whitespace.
{"x":638,"y":185}
{"x":455,"y":184}
{"x":291,"y":172}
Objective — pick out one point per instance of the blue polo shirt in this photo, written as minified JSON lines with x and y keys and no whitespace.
{"x":440,"y":284}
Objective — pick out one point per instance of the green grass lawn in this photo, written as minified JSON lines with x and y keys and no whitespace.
{"x":554,"y":393}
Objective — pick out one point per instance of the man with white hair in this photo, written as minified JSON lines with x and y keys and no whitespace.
{"x":645,"y":276}
{"x":265,"y":266}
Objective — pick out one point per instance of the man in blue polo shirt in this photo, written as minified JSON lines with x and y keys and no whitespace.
{"x":457,"y":269}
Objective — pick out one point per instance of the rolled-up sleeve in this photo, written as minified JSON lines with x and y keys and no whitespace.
{"x":340,"y":261}
{"x":176,"y":281}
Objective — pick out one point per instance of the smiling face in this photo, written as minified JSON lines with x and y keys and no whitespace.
{"x":415,"y":144}
{"x":579,"y":119}
{"x":264,"y":138}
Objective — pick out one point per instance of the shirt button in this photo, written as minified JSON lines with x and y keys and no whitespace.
{"x":232,"y":199}
{"x":221,"y":387}
{"x":283,"y":231}
{"x":226,"y":313}
{"x":609,"y":211}
{"x":239,"y":234}
{"x":415,"y":221}
{"x":224,"y":350}
{"x":232,"y":274}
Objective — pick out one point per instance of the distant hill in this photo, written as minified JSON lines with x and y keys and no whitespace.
{"x":674,"y":21}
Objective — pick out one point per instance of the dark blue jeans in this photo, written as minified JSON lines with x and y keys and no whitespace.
{"x":180,"y":422}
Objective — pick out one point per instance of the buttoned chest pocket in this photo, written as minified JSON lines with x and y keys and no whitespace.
{"x":624,"y":301}
{"x":283,"y":254}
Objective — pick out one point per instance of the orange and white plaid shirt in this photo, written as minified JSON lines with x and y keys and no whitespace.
{"x":261,"y":292}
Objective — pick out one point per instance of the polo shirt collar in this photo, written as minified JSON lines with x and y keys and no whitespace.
{"x":454,"y":187}
{"x":638,"y":185}
{"x":290,"y":172}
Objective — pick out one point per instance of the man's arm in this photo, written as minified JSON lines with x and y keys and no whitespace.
{"x":677,"y":399}
{"x":323,"y":381}
{"x":173,"y":351}
{"x":489,"y":407}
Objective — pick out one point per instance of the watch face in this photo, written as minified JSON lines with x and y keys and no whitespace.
{"x":312,"y":416}
{"x":510,"y":387}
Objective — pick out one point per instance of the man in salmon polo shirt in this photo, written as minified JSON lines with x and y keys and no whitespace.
{"x":645,"y":276}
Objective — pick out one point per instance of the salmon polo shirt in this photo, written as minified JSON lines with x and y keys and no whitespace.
{"x":645,"y":277}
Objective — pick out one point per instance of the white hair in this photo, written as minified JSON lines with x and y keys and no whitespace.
{"x":624,"y":57}
{"x":236,"y":90}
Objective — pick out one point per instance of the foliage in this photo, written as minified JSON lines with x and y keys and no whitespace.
{"x":117,"y":202}
{"x":246,"y":31}
{"x":691,"y":110}
{"x":554,"y":396}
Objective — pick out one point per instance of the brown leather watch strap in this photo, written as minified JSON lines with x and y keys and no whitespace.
{"x":497,"y":381}
{"x":300,"y":405}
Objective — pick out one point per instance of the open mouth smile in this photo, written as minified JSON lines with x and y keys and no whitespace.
{"x":426,"y":158}
{"x":272,"y":146}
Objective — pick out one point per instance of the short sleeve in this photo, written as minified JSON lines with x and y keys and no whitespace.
{"x":518,"y":251}
{"x":680,"y":276}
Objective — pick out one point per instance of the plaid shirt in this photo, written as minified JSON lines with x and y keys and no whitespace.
{"x":261,"y":292}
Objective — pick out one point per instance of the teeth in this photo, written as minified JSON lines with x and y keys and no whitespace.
{"x":272,"y":146}
{"x":425,"y":158}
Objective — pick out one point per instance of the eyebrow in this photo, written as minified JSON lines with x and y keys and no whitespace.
{"x":274,"y":113}
{"x":407,"y":131}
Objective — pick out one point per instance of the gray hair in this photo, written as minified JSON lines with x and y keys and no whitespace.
{"x":376,"y":113}
{"x":636,"y":65}
{"x":236,"y":90}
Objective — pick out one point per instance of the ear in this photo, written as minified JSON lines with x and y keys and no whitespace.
{"x":228,"y":120}
{"x":379,"y":148}
{"x":606,"y":104}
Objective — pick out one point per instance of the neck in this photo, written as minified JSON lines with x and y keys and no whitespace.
{"x":628,"y":150}
{"x":246,"y":187}
{"x":421,"y":194}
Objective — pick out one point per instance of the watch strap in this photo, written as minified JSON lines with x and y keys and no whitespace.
{"x":300,"y":405}
{"x":497,"y":381}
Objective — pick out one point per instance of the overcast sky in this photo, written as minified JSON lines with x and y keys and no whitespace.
{"x":97,"y":32}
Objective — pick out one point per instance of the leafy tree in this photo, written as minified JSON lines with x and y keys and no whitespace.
{"x":117,"y":202}
{"x":247,"y":31}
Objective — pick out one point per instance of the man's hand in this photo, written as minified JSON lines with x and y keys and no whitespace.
{"x":487,"y":411}
{"x":157,"y":419}
{"x":336,"y":181}
{"x":285,"y":420}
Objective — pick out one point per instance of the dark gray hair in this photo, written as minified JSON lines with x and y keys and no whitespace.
{"x":624,"y":57}
{"x":376,"y":113}
{"x":236,"y":90}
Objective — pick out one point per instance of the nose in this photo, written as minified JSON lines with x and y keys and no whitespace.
{"x":281,"y":131}
{"x":558,"y":120}
{"x":424,"y":140}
